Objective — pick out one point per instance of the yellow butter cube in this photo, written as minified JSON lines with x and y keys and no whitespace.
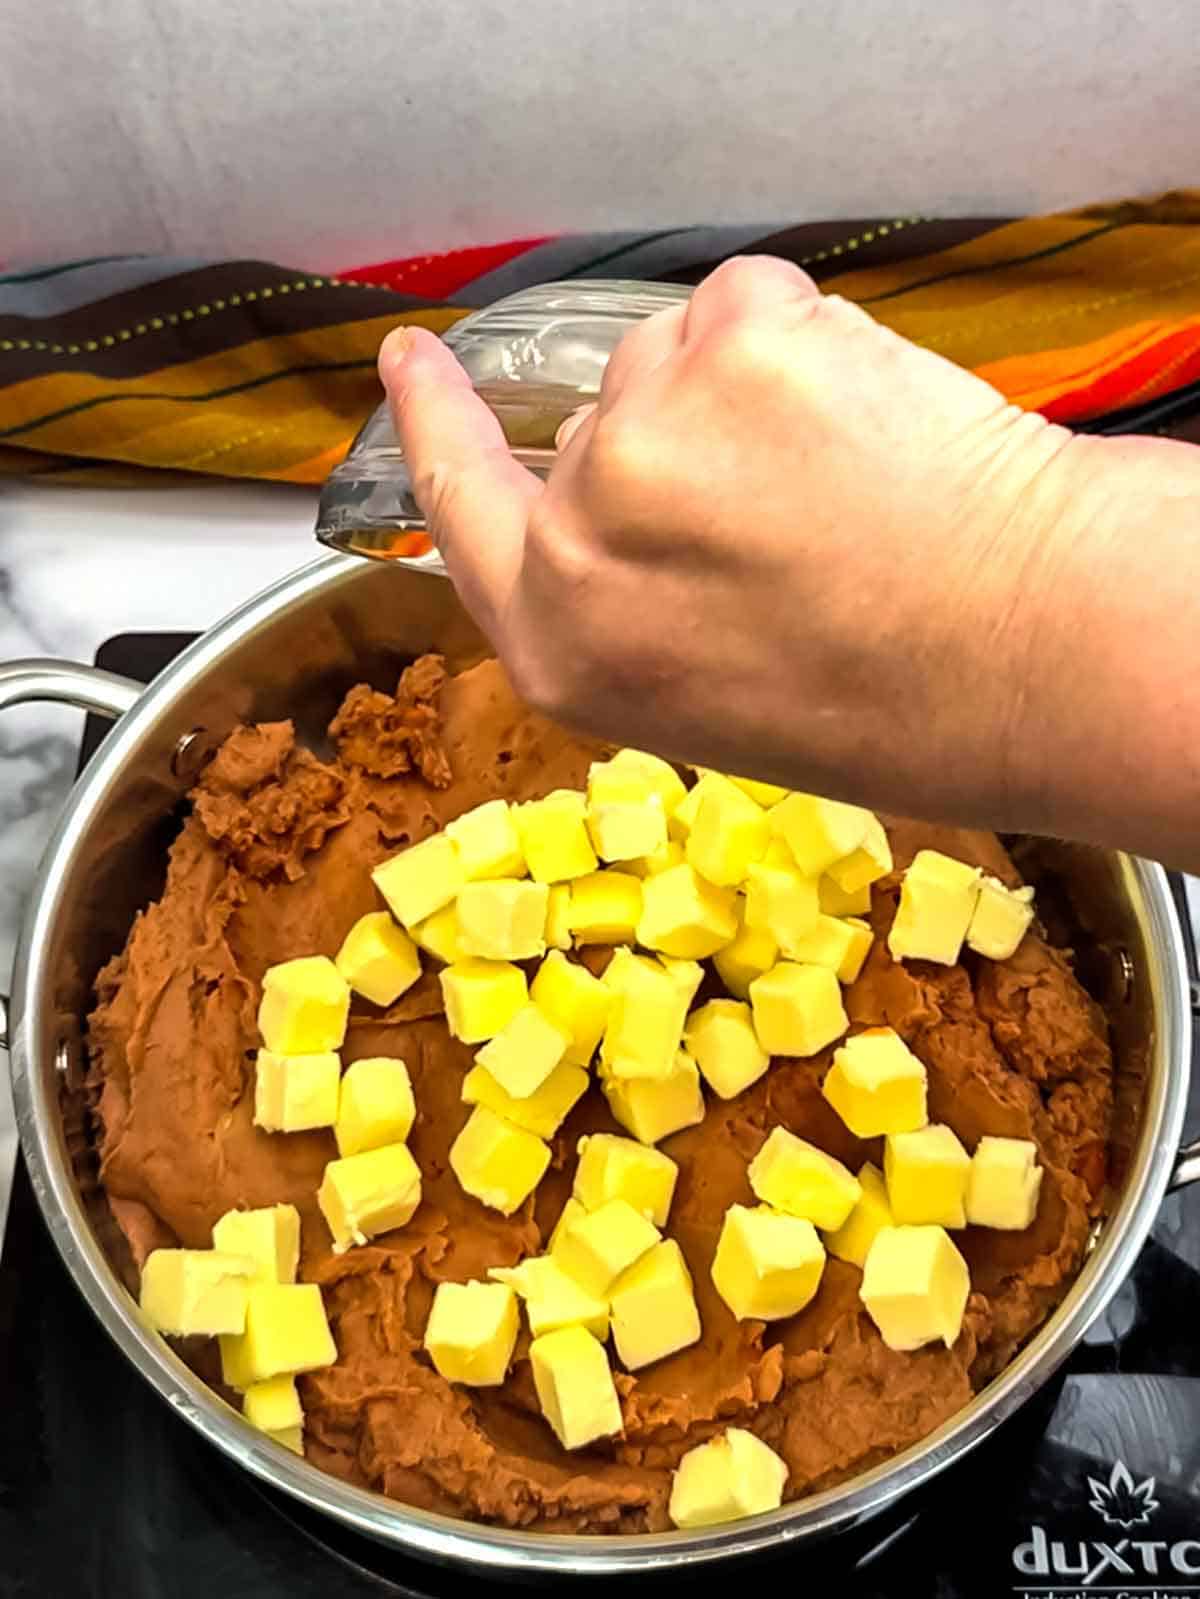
{"x":552,"y":1298}
{"x":794,"y":1176}
{"x":764,"y":794}
{"x":853,"y":1239}
{"x":576,"y":1002}
{"x":645,"y":1023}
{"x":767,"y":1265}
{"x":571,"y":1212}
{"x":915,"y":1287}
{"x":270,"y":1237}
{"x":364,"y":1195}
{"x":777,"y":854}
{"x":626,"y":968}
{"x":819,"y":832}
{"x":720,"y":1037}
{"x":687,"y":975}
{"x":611,"y":1167}
{"x":554,"y":837}
{"x":376,"y":1105}
{"x":685,"y":915}
{"x":618,"y":783}
{"x":289,"y":1438}
{"x":626,"y":830}
{"x":438,"y":934}
{"x":293,"y":1093}
{"x":497,"y":1162}
{"x":661,"y":776}
{"x":575,"y":1387}
{"x":481,"y":998}
{"x":286,"y":1331}
{"x":671,"y":854}
{"x":858,"y":947}
{"x":683,"y":817}
{"x":797,"y":1009}
{"x":877,"y":1085}
{"x":752,"y":952}
{"x":865,"y":865}
{"x":1004,"y":1183}
{"x":558,"y":916}
{"x":730,"y":1477}
{"x":487,"y":842}
{"x":503,"y":919}
{"x":378,"y":959}
{"x":1000,"y":920}
{"x":596,"y":1248}
{"x":273,"y":1405}
{"x":305,"y":1007}
{"x":842,"y":945}
{"x":542,"y":1112}
{"x":729,"y":833}
{"x":472,"y":1331}
{"x":524,"y":1053}
{"x":938,"y":896}
{"x":421,"y":879}
{"x":605,"y":908}
{"x":926,"y":1174}
{"x":782,"y":902}
{"x":186,"y":1292}
{"x":653,"y":1308}
{"x":834,"y":901}
{"x":652,"y":1108}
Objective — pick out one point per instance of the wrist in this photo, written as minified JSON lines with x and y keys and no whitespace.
{"x":1105,"y":741}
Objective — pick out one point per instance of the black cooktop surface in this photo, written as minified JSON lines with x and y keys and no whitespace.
{"x":106,"y":1494}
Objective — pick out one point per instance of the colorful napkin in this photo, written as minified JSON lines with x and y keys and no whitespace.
{"x":121,"y":369}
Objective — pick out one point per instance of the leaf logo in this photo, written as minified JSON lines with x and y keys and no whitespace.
{"x":1121,"y":1501}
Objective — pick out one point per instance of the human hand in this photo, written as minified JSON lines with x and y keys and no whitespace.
{"x":785,"y":542}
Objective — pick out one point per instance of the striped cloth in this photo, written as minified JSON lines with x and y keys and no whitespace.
{"x":122,"y":369}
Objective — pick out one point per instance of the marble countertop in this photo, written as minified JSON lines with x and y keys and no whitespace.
{"x":78,"y":566}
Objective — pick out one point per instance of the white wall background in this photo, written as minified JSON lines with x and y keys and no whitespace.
{"x":330,"y":133}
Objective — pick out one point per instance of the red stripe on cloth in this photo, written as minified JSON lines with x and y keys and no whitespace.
{"x":438,"y":276}
{"x":1171,"y":364}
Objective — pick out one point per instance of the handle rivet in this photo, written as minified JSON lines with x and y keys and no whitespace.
{"x":191,"y":755}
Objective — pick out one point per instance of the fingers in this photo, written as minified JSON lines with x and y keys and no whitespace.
{"x":476,"y":499}
{"x":745,"y":286}
{"x":568,"y":428}
{"x":643,"y":349}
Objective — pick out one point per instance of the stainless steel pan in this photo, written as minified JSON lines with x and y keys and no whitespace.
{"x":294,"y":651}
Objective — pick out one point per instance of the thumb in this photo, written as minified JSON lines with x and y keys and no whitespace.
{"x":475,"y":498}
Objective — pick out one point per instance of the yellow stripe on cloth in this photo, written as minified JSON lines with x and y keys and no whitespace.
{"x":1045,"y":283}
{"x":272,"y":408}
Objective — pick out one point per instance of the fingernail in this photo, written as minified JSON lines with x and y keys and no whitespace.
{"x":393,"y":351}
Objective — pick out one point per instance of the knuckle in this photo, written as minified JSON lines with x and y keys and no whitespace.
{"x":745,"y":352}
{"x":833,"y":312}
{"x":564,"y":556}
{"x":620,"y":459}
{"x":741,"y":270}
{"x":541,"y":679}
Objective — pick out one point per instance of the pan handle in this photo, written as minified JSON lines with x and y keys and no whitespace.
{"x":1187,"y":1162}
{"x":1187,"y":1168}
{"x":63,"y":683}
{"x":67,"y":683}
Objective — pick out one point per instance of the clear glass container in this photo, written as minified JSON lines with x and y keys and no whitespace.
{"x":534,"y":357}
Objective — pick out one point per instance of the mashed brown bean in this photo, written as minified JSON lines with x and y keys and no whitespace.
{"x":274,"y":862}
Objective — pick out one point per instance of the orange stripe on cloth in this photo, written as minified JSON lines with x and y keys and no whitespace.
{"x":1042,"y":284}
{"x":1129,"y":367}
